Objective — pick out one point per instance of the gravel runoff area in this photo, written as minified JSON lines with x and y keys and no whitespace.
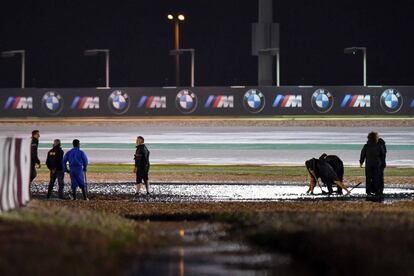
{"x":98,"y":177}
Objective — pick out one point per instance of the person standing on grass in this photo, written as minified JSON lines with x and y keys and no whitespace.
{"x":78,"y":163}
{"x":54,"y":163}
{"x":142,"y":165}
{"x":34,"y":160}
{"x":373,"y":155}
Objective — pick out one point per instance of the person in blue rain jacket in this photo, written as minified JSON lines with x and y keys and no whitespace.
{"x":78,"y":164}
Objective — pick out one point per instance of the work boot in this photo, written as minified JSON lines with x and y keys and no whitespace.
{"x":74,"y":194}
{"x":60,"y":193}
{"x":85,"y":197}
{"x":49,"y":192}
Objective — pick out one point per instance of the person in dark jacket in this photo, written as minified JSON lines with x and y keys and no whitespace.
{"x":142,"y":165}
{"x":374,"y":156}
{"x":338,"y":167}
{"x":382,"y":168}
{"x":34,"y":156}
{"x":78,"y":163}
{"x":319,"y":168}
{"x":54,"y":163}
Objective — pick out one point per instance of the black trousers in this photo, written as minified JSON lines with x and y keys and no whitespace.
{"x":329,"y":185}
{"x":381,"y":181}
{"x":372,"y":176}
{"x":33,"y":172}
{"x":59,"y":175}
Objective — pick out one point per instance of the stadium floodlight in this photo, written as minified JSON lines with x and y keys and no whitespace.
{"x":353,"y":51}
{"x":93,"y":52}
{"x":177,"y":19}
{"x":273,"y":52}
{"x":12,"y":53}
{"x":192,"y":52}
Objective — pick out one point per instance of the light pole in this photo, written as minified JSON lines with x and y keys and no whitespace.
{"x":12,"y":53}
{"x":273,"y":52}
{"x":192,"y":52}
{"x":353,"y":50}
{"x":93,"y":52}
{"x":177,"y":19}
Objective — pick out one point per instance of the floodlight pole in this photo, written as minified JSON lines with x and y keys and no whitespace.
{"x":274,"y":52}
{"x":277,"y":68}
{"x":178,"y":52}
{"x":365,"y":66}
{"x":23,"y":70}
{"x":192,"y":67}
{"x":177,"y":56}
{"x":107,"y":68}
{"x":353,"y":50}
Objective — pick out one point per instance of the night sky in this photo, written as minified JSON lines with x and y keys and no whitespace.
{"x":313,"y":35}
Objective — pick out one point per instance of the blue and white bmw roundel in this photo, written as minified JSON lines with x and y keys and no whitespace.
{"x":322,"y":101}
{"x":52,"y":102}
{"x":118,"y":102}
{"x":254,"y":101}
{"x":391,"y":100}
{"x":186,"y":101}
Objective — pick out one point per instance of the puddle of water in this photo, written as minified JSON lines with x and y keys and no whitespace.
{"x":215,"y":255}
{"x":232,"y":192}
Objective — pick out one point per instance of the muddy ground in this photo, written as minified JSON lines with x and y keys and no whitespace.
{"x":316,"y":237}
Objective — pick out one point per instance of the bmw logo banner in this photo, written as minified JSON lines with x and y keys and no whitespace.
{"x":208,"y":101}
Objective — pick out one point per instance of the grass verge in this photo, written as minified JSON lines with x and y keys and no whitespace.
{"x":116,"y":230}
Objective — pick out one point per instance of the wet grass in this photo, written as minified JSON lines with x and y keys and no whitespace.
{"x":234,"y":170}
{"x":116,"y":230}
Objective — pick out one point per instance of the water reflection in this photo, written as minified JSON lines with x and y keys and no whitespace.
{"x":205,"y":249}
{"x":181,"y":267}
{"x":231,"y":192}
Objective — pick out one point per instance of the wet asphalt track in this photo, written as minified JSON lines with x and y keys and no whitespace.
{"x":223,"y":145}
{"x":176,"y":192}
